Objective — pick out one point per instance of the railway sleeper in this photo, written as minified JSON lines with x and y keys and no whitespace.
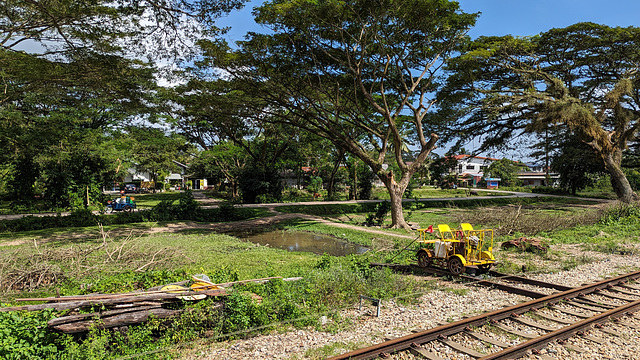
{"x":621,"y":290}
{"x":593,"y":339}
{"x":553,"y":318}
{"x":602,"y":304}
{"x":610,"y":332}
{"x":514,"y":331}
{"x":617,"y":297}
{"x":572,"y":313}
{"x":461,"y":348}
{"x":529,"y":322}
{"x":488,"y":339}
{"x":419,"y":351}
{"x":587,"y":307}
{"x":574,"y":348}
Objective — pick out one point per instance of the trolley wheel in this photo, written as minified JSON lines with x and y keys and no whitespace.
{"x":484,"y":268}
{"x":128,"y":208}
{"x":455,"y":265}
{"x":424,"y":259}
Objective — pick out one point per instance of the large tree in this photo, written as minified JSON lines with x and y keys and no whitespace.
{"x":357,"y":72}
{"x":69,"y":74}
{"x":584,"y":77}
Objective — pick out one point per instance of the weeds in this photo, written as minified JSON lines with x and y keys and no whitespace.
{"x":42,"y":265}
{"x":514,"y":219}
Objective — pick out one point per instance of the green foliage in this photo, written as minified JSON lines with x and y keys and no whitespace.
{"x":403,"y":37}
{"x":622,"y":214}
{"x":504,"y":169}
{"x":576,"y":162}
{"x":315,"y":183}
{"x":256,"y":181}
{"x":501,"y":86}
{"x":548,"y":190}
{"x":186,"y":209}
{"x":381,"y":211}
{"x":24,"y":335}
{"x":365,"y":183}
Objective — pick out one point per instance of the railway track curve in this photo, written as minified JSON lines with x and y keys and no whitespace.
{"x":586,"y":306}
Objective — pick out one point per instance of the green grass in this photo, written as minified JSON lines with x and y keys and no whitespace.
{"x":68,"y":234}
{"x":151,"y":200}
{"x":80,"y":260}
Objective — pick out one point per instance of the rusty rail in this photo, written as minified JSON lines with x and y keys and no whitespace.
{"x":406,"y":342}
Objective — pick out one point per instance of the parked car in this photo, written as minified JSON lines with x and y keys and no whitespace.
{"x":131,"y":188}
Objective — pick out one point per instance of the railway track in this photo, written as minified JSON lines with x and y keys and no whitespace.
{"x":535,"y":323}
{"x":509,"y":283}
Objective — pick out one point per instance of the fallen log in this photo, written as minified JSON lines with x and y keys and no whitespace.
{"x":129,"y":318}
{"x":75,"y":318}
{"x":113,"y":300}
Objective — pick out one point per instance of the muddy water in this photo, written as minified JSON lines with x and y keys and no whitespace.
{"x":303,"y":241}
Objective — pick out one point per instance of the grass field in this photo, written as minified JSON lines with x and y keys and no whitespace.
{"x":131,"y":257}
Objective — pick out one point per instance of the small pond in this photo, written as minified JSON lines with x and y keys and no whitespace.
{"x":304,"y":241}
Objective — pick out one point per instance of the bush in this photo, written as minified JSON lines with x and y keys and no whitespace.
{"x":186,"y":209}
{"x":548,"y":190}
{"x":622,"y":214}
{"x":381,"y":210}
{"x":25,"y":335}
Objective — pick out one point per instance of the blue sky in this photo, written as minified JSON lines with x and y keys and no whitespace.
{"x":502,"y":17}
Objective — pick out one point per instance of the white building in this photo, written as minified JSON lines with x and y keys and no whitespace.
{"x":471,"y":168}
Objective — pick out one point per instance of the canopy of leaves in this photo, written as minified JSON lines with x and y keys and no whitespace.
{"x":584,"y":77}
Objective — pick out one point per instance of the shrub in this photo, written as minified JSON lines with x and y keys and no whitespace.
{"x":548,"y":190}
{"x":381,"y":210}
{"x":25,"y":335}
{"x":621,"y":214}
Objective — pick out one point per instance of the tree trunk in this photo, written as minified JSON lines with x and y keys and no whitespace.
{"x":619,"y":180}
{"x":234,"y":189}
{"x":332,"y":178}
{"x":396,"y":191}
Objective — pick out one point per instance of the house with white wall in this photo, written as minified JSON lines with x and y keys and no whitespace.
{"x":471,"y":168}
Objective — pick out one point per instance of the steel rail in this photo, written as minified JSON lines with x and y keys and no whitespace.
{"x":562,"y":333}
{"x":405,"y":342}
{"x":486,"y":282}
{"x":525,"y":280}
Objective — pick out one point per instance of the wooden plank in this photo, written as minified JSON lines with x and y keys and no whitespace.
{"x":545,"y":357}
{"x":623,"y":291}
{"x":610,"y":332}
{"x":553,"y":318}
{"x":591,"y":338}
{"x":201,"y":289}
{"x":600,"y":303}
{"x":574,"y":348}
{"x":493,"y":341}
{"x":529,"y":322}
{"x":74,"y":318}
{"x":461,"y":348}
{"x":617,"y":297}
{"x":515,"y":332}
{"x":572,"y":313}
{"x":116,"y":320}
{"x":422,"y":352}
{"x":628,"y":286}
{"x":586,"y":307}
{"x":629,"y":325}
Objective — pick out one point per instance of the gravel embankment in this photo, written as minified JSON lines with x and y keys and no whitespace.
{"x":432,"y":309}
